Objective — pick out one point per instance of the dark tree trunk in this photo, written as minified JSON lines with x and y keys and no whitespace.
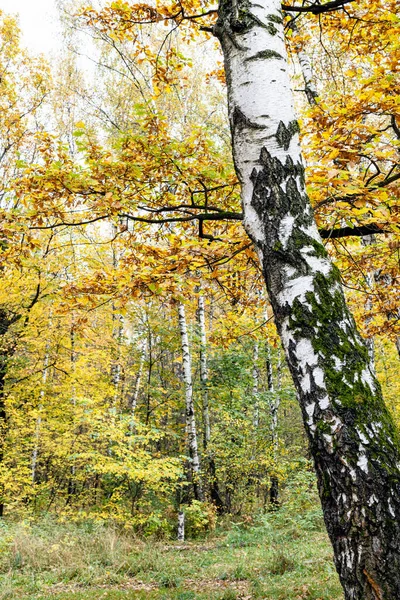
{"x":7,"y":349}
{"x":274,"y":493}
{"x":274,"y":402}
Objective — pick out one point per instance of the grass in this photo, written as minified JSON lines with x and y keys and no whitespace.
{"x":283,"y":557}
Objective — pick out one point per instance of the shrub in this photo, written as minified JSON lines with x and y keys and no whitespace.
{"x":200,"y":518}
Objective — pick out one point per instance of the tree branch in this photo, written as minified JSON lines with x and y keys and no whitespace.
{"x":342,"y":232}
{"x":219,"y":216}
{"x":62,"y":223}
{"x":350,"y":197}
{"x":317,"y":9}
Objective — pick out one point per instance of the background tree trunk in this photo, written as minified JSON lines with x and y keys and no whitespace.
{"x":203,"y":372}
{"x":352,"y":436}
{"x":7,"y":349}
{"x":181,"y":526}
{"x":255,"y":394}
{"x":133,"y":400}
{"x":273,"y":402}
{"x":189,"y":408}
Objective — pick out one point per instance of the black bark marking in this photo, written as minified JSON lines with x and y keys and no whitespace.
{"x":284,"y":134}
{"x":275,"y":19}
{"x":249,"y":18}
{"x":264,"y":55}
{"x":240,"y":121}
{"x":272,"y":30}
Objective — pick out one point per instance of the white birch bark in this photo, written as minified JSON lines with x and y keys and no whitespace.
{"x":116,"y":368}
{"x":255,"y":393}
{"x":118,"y":330}
{"x":189,"y":406}
{"x":136,"y":389}
{"x":181,"y":526}
{"x":274,"y":401}
{"x":353,"y":440}
{"x":74,"y":357}
{"x":367,"y":240}
{"x":204,"y":372}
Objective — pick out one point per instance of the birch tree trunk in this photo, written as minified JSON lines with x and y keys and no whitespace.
{"x":181,"y":526}
{"x":189,"y":407}
{"x":73,"y":360}
{"x":117,"y":330}
{"x":353,"y":440}
{"x":256,"y":405}
{"x":204,"y":372}
{"x":135,"y":394}
{"x":368,"y":240}
{"x":212,"y":474}
{"x":117,"y":334}
{"x":274,"y":402}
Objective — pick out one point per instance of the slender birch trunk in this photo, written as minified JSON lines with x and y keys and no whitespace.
{"x":117,"y":332}
{"x":256,"y":404}
{"x":368,"y":240}
{"x":116,"y":369}
{"x":274,"y":401}
{"x":181,"y":526}
{"x":135,"y":395}
{"x":212,"y":472}
{"x":189,"y":411}
{"x":352,"y":437}
{"x":204,"y":373}
{"x":74,"y":358}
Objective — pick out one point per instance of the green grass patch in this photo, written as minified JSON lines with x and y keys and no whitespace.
{"x":283,"y":556}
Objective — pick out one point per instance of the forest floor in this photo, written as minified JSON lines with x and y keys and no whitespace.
{"x":282,"y":556}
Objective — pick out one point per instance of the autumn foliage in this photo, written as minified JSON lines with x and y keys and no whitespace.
{"x":127,"y":203}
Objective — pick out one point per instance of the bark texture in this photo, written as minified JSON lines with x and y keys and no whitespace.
{"x":208,"y":457}
{"x":369,"y":240}
{"x":273,"y":402}
{"x":204,"y":372}
{"x":189,"y":407}
{"x":255,"y":394}
{"x":133,"y":400}
{"x":353,"y":440}
{"x":181,"y":526}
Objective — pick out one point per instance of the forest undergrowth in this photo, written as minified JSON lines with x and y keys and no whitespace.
{"x":280,"y":555}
